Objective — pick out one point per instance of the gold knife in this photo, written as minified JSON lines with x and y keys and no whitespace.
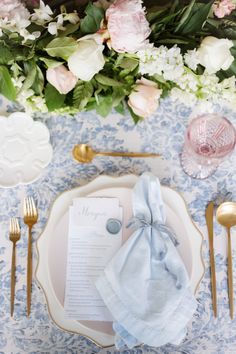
{"x":209,"y":222}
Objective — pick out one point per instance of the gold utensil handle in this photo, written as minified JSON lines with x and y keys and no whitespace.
{"x":127,"y":154}
{"x":230,"y":277}
{"x":29,"y":271}
{"x":13,"y":279}
{"x":213,"y":281}
{"x":209,"y":221}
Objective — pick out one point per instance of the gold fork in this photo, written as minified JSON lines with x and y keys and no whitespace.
{"x":14,"y":236}
{"x":30,"y":218}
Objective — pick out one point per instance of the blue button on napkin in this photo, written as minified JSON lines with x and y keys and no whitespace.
{"x":146,"y":286}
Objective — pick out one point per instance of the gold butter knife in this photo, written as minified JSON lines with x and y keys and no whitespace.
{"x":209,"y":221}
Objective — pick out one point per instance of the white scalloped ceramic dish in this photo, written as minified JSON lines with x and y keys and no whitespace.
{"x":25,"y":149}
{"x":52,"y":247}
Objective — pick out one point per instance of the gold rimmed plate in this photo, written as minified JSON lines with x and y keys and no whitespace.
{"x":52,"y":247}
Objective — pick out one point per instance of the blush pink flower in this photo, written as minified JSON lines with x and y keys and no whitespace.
{"x":223,"y":8}
{"x":61,"y":78}
{"x":127,"y":25}
{"x":13,"y":10}
{"x":144,"y":99}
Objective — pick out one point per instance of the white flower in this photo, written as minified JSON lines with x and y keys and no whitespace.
{"x":214,"y":54}
{"x":73,"y":17}
{"x":29,"y":36}
{"x":161,"y":61}
{"x":88,"y":59}
{"x":7,"y":6}
{"x":13,"y":16}
{"x":191,"y":58}
{"x":53,"y":27}
{"x":42,"y":14}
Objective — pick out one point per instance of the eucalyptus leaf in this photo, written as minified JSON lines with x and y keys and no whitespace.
{"x":7,"y":88}
{"x":54,"y":100}
{"x":62,"y":47}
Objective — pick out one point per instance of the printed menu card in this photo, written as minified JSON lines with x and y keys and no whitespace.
{"x":95,"y":235}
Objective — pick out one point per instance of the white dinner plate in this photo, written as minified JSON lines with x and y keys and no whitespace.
{"x":52,"y":247}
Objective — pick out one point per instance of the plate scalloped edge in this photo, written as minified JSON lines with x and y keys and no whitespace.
{"x":42,"y":275}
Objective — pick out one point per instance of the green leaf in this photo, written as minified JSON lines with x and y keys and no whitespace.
{"x":70,"y":28}
{"x":197,"y":19}
{"x":104,"y":80}
{"x":135,"y":117}
{"x":54,"y":100}
{"x":6,"y":86}
{"x":120,"y":108}
{"x":62,"y":47}
{"x":38,"y":84}
{"x":128,"y":63}
{"x":81,"y":94}
{"x":5,"y":54}
{"x":104,"y":105}
{"x":51,"y":63}
{"x":185,"y":16}
{"x":91,"y":22}
{"x":31,"y":72}
{"x":118,"y":95}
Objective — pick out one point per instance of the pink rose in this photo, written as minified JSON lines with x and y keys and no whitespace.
{"x":223,"y":8}
{"x":144,"y":100}
{"x":61,"y":78}
{"x":127,"y":25}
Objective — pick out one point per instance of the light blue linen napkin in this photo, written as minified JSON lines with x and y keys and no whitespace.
{"x":146,"y":286}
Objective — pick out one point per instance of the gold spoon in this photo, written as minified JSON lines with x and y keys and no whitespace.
{"x":84,"y":153}
{"x":226,"y":216}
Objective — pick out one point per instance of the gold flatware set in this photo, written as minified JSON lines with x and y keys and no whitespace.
{"x":226,"y":216}
{"x":30,"y":218}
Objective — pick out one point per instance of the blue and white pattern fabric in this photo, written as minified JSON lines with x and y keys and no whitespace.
{"x":163,"y":133}
{"x":146,"y":286}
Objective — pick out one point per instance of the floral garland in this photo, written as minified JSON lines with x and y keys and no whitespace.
{"x":117,"y":55}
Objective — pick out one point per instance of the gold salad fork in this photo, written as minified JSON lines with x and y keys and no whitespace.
{"x":30,"y":218}
{"x":14,"y":236}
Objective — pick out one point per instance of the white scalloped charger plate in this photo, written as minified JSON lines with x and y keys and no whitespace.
{"x":25,"y":149}
{"x":52,"y":247}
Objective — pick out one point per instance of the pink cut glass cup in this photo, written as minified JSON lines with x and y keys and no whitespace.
{"x":209,"y":138}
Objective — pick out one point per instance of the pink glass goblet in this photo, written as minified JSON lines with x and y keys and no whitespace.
{"x":209,"y":138}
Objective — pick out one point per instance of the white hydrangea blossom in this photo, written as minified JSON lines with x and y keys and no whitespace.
{"x":161,"y":61}
{"x":31,"y":102}
{"x":191,"y":59}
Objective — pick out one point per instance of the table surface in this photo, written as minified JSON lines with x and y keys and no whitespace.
{"x":164,"y":133}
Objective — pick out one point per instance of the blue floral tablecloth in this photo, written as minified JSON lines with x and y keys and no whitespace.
{"x":164,"y":133}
